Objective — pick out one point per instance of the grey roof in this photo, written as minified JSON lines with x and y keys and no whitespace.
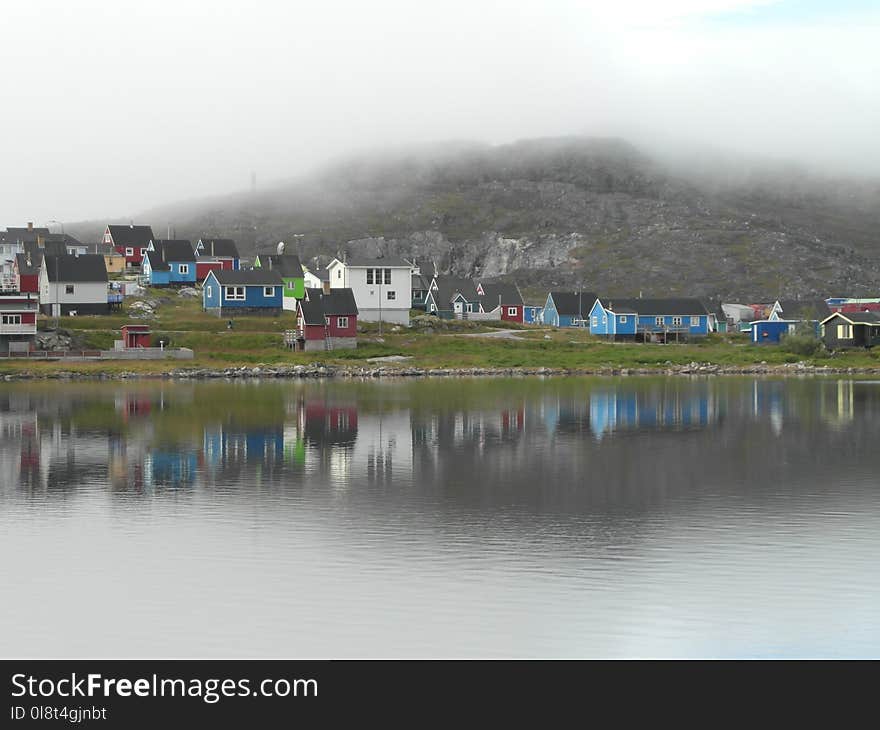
{"x":663,"y":307}
{"x":805,"y":309}
{"x":55,"y":248}
{"x":507,"y":295}
{"x":572,"y":303}
{"x":174,"y":250}
{"x":156,"y":262}
{"x":224,"y":247}
{"x":420,"y":281}
{"x":869,"y":318}
{"x":250,"y":277}
{"x":131,"y":235}
{"x":24,"y":234}
{"x":449,"y":286}
{"x":317,"y":305}
{"x":87,"y":267}
{"x":287,"y":264}
{"x":25,"y":268}
{"x":377,"y":261}
{"x":64,"y":238}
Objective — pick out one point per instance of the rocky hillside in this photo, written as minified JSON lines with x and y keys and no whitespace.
{"x":570,"y":212}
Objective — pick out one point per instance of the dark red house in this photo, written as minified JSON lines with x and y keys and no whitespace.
{"x":131,"y":241}
{"x":326,"y":320}
{"x":27,"y":272}
{"x":503,"y":297}
{"x":136,"y":335}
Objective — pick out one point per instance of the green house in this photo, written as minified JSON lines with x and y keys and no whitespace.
{"x":291,"y":271}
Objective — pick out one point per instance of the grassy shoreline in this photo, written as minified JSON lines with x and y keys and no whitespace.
{"x":258,"y":342}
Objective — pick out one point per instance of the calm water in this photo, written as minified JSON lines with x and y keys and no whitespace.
{"x":519,"y":517}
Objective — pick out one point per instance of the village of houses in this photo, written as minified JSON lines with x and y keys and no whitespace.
{"x":53,"y":274}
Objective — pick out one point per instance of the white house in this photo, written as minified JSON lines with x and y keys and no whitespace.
{"x":74,"y":284}
{"x":382,"y":286}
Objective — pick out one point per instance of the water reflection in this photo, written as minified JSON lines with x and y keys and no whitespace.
{"x":527,"y":517}
{"x":160,"y":436}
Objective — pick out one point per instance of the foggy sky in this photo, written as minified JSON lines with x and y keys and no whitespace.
{"x":110,"y":108}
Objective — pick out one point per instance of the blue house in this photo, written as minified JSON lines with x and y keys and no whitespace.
{"x":568,"y":309}
{"x":169,"y":262}
{"x":532,"y":314}
{"x":770,"y":331}
{"x":656,"y":320}
{"x":259,"y":291}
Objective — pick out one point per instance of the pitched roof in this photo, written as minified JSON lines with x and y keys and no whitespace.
{"x":23,"y":234}
{"x":25,"y":268}
{"x":507,"y":295}
{"x":869,"y":318}
{"x":219,"y":247}
{"x":661,"y":307}
{"x":804,"y":309}
{"x":87,"y":267}
{"x":174,"y":250}
{"x":287,"y":264}
{"x":420,"y":281}
{"x":64,"y":238}
{"x":54,"y":248}
{"x":449,"y":286}
{"x":572,"y":303}
{"x":317,"y":305}
{"x":131,"y":235}
{"x":156,"y":262}
{"x":377,"y":261}
{"x":250,"y":277}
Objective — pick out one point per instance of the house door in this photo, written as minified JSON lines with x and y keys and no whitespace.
{"x":457,"y":307}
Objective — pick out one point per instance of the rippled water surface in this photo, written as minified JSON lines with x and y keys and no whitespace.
{"x":509,"y":517}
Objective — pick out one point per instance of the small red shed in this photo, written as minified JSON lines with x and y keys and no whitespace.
{"x":136,"y":335}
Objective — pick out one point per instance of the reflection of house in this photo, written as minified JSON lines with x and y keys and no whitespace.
{"x":621,"y":409}
{"x":170,"y":468}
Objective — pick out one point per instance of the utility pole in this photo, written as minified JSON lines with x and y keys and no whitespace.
{"x":381,"y":278}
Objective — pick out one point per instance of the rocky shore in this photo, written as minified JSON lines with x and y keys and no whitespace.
{"x":320,"y":370}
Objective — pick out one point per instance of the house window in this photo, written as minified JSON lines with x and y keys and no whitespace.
{"x":11,"y":319}
{"x":511,"y":311}
{"x":143,"y":251}
{"x":369,"y":276}
{"x":658,"y":321}
{"x":235,"y":293}
{"x":209,"y":290}
{"x":844,"y":332}
{"x":183,"y":268}
{"x":623,"y":319}
{"x":676,"y":321}
{"x":342,"y":322}
{"x":268,"y":291}
{"x":339,"y":273}
{"x":129,"y":251}
{"x":68,"y":289}
{"x":469,"y":307}
{"x":387,"y":276}
{"x":433,"y":307}
{"x":595,"y":321}
{"x":392,"y":295}
{"x":695,"y":321}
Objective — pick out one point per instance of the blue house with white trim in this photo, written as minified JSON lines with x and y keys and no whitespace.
{"x":169,"y":262}
{"x":649,"y":319}
{"x":568,"y":309}
{"x":259,"y":291}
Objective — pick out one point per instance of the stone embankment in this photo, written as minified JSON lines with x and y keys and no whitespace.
{"x":320,"y":370}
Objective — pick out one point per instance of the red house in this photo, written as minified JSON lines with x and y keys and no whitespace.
{"x":131,"y":241}
{"x":18,"y":323}
{"x":27,"y":272}
{"x":503,"y":297}
{"x":136,"y":335}
{"x":203,"y":268}
{"x":326,"y":320}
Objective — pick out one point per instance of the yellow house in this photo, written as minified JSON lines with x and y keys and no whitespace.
{"x":115,"y":263}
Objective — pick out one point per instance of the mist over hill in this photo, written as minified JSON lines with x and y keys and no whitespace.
{"x":597,"y":213}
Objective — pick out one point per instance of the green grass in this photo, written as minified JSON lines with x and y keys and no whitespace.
{"x":259,"y":341}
